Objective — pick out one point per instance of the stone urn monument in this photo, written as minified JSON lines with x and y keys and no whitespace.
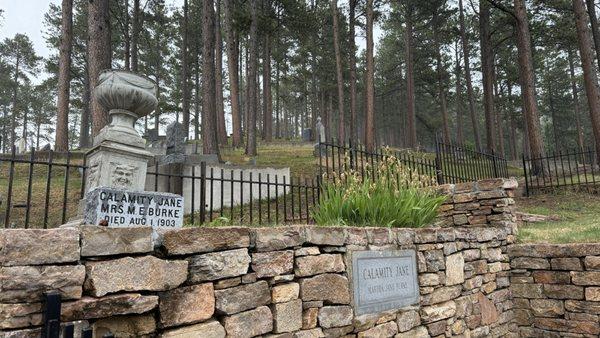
{"x":118,"y":158}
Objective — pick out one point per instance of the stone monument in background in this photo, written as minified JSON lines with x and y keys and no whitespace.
{"x":321,"y":138}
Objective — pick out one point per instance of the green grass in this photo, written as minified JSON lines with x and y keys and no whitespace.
{"x":38,"y":194}
{"x":296,"y":155}
{"x":579,"y":218}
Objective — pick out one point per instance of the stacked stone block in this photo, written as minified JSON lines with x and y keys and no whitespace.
{"x":289,"y":281}
{"x":556,"y":289}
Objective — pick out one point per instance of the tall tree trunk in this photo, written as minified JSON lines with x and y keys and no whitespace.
{"x":411,"y":118}
{"x":339,"y":72}
{"x":185,"y":95}
{"x":251,"y":82}
{"x":99,"y":55}
{"x":440,"y":78}
{"x":530,"y":110}
{"x":589,"y":70}
{"x":591,"y":7}
{"x":127,"y":39}
{"x":470,"y":94}
{"x":24,"y":134}
{"x":210,"y":143}
{"x":370,"y":78}
{"x":221,"y":129}
{"x":487,"y":73}
{"x":197,"y":97}
{"x":15,"y":93}
{"x":499,"y":119}
{"x":157,"y":78}
{"x":232,"y":66}
{"x":64,"y":77}
{"x":552,"y":113}
{"x":513,"y":124}
{"x":84,"y":127}
{"x":574,"y":91}
{"x":459,"y":100}
{"x":135,"y":34}
{"x":38,"y":126}
{"x":277,"y":108}
{"x":267,"y":99}
{"x":352,"y":61}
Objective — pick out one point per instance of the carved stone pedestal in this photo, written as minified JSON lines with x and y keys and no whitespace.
{"x":117,"y":165}
{"x":119,"y":158}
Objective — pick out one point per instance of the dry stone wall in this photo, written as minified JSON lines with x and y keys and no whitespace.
{"x":556,"y":289}
{"x":292,"y":281}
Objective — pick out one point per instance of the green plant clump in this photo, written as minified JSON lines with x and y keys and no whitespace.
{"x":394,"y":196}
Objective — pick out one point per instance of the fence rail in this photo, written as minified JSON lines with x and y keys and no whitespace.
{"x":39,"y":190}
{"x":452,"y":163}
{"x":571,"y":169}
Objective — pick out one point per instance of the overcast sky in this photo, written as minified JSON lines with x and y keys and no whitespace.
{"x":27,"y":16}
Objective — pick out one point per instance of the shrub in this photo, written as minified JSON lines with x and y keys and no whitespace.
{"x":392,"y":196}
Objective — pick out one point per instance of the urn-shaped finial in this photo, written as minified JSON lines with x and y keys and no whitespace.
{"x":121,"y":89}
{"x":127,"y":97}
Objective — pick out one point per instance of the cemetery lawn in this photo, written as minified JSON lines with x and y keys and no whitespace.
{"x":297,"y":156}
{"x":38,"y":194}
{"x":579,"y":218}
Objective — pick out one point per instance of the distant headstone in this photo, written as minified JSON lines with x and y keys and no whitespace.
{"x":125,"y":208}
{"x":46,"y":147}
{"x":384,"y":280}
{"x":151,"y":135}
{"x":306,"y":135}
{"x":320,"y":131}
{"x":21,"y":145}
{"x":176,"y":137}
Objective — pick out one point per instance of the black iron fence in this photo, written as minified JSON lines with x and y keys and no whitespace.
{"x":451,"y":163}
{"x":213,"y":193}
{"x":461,"y":163}
{"x":44,"y":189}
{"x":40,"y":189}
{"x":576,"y":169}
{"x":52,"y":327}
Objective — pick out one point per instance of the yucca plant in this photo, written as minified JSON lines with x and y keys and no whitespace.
{"x":392,"y":196}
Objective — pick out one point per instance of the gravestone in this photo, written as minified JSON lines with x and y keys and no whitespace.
{"x":118,"y":162}
{"x":124,"y":208}
{"x":306,"y":135}
{"x":384,"y":280}
{"x":176,"y":137}
{"x":151,"y":135}
{"x":320,"y":129}
{"x":21,"y":145}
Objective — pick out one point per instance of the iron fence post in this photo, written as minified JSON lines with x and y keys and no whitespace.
{"x":525,"y":173}
{"x":438,"y":161}
{"x":202,"y":192}
{"x":51,"y":320}
{"x":494,"y":164}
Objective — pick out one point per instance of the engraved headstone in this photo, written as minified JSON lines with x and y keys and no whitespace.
{"x":176,"y":137}
{"x":384,"y":280}
{"x":124,"y":208}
